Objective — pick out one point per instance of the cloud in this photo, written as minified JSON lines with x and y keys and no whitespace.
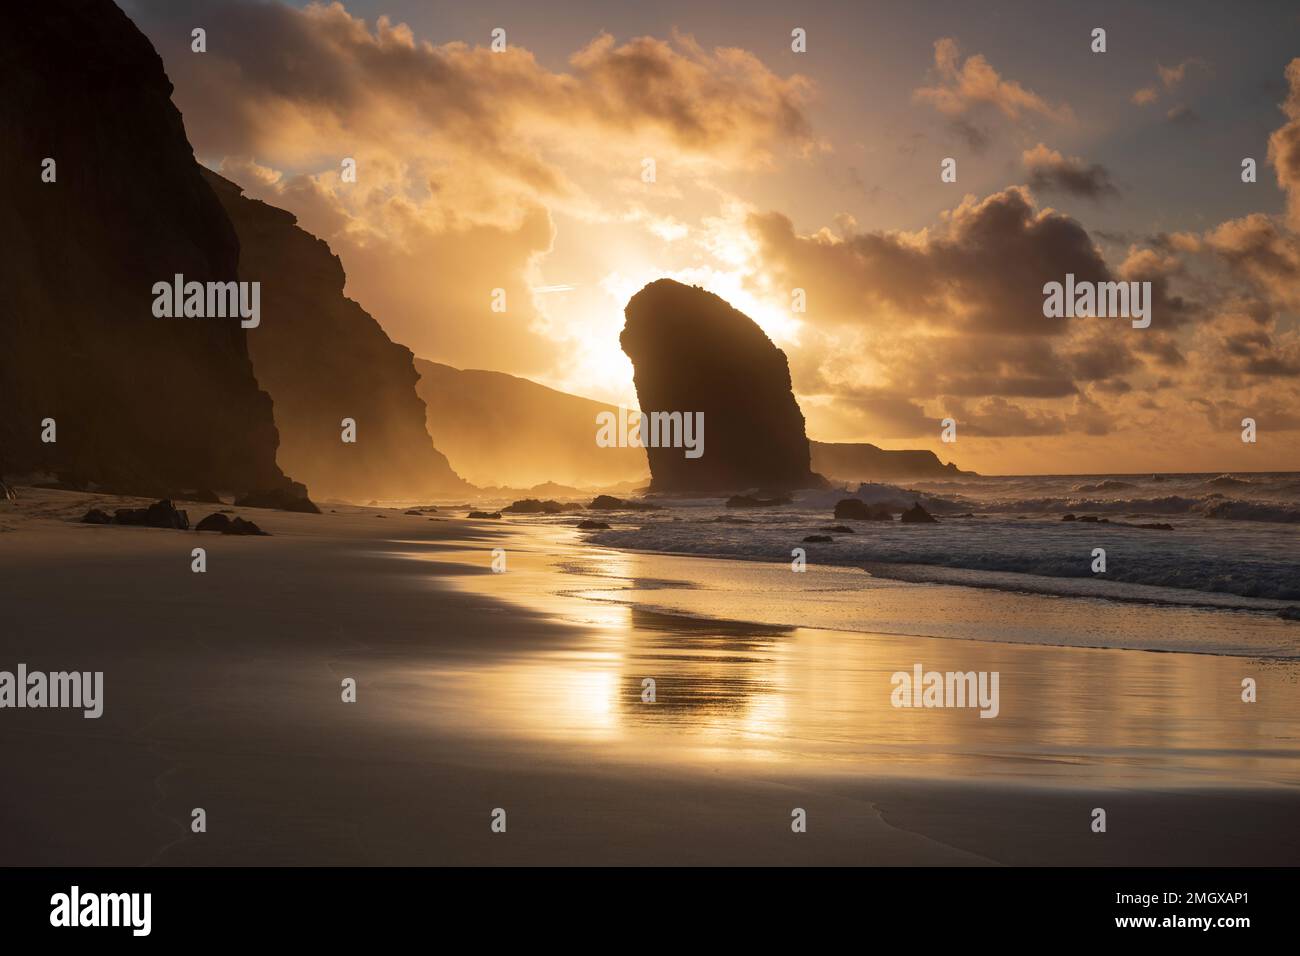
{"x":966,"y":86}
{"x":995,"y":417}
{"x":903,"y":325}
{"x":1169,"y":78}
{"x":981,"y":269}
{"x":298,"y":82}
{"x":975,"y":137}
{"x":1284,"y":146}
{"x":1050,"y":171}
{"x":1244,"y":346}
{"x":464,"y":156}
{"x":1173,"y":76}
{"x":706,"y":100}
{"x":1257,"y":250}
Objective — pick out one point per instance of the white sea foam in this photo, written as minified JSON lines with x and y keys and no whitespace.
{"x":1007,"y":533}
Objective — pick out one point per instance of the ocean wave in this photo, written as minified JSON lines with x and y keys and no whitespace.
{"x":1109,"y":484}
{"x":1259,"y":563}
{"x":1228,"y":481}
{"x":1213,"y":505}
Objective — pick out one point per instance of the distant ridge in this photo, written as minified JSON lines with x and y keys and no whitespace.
{"x":505,"y":432}
{"x":861,"y":461}
{"x":501,"y":430}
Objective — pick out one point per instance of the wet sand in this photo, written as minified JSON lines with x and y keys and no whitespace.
{"x":519,"y":691}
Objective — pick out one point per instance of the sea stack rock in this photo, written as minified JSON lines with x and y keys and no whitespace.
{"x":323,"y":358}
{"x":102,"y":198}
{"x":693,"y":353}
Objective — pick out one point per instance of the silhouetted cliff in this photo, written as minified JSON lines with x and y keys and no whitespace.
{"x":860,"y":461}
{"x":497,"y":429}
{"x":323,"y":358}
{"x":139,"y":403}
{"x":692,"y":352}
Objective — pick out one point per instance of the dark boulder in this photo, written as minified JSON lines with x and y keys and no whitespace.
{"x":224,"y":524}
{"x":214,"y":522}
{"x":818,"y":539}
{"x":917,"y":515}
{"x":587,"y":524}
{"x":531,"y":506}
{"x":855,"y":509}
{"x":484,"y":514}
{"x":692,"y":353}
{"x":95,"y":516}
{"x":160,"y":514}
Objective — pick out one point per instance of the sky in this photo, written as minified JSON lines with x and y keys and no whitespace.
{"x":525,"y":169}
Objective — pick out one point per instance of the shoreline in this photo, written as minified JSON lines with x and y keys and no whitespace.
{"x":1257,"y":635}
{"x":222,"y":692}
{"x":900,"y":573}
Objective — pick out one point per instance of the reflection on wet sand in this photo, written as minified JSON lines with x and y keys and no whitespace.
{"x":819,"y":700}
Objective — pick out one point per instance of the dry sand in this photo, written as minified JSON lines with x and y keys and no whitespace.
{"x":222,"y":691}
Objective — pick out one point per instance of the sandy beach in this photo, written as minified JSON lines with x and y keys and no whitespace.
{"x":523,"y":691}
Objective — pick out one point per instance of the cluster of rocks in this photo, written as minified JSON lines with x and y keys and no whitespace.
{"x":536,"y":506}
{"x":532,"y":506}
{"x":160,"y":514}
{"x":224,"y":524}
{"x":422,"y":512}
{"x":855,"y":509}
{"x":163,"y":514}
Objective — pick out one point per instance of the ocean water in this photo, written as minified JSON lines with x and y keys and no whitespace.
{"x":758,"y":666}
{"x":1233,"y":541}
